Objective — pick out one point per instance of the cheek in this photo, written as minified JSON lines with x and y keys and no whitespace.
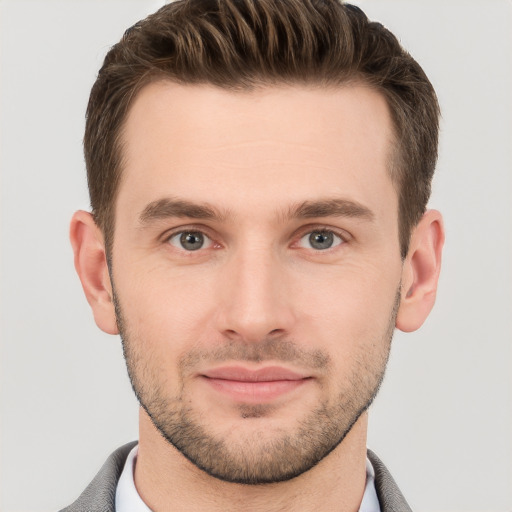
{"x":353,"y":308}
{"x":164,"y":313}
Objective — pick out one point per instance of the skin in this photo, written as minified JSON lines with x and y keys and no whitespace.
{"x":254,"y":159}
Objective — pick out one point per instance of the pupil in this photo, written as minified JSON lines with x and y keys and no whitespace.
{"x":192,"y":241}
{"x":321,"y":240}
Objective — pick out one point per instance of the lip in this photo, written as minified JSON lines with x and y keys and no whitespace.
{"x":253,"y":386}
{"x":241,"y":374}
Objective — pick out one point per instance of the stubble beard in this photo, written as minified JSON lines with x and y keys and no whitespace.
{"x":256,"y":459}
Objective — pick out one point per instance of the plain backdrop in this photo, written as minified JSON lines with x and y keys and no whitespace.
{"x":443,"y":420}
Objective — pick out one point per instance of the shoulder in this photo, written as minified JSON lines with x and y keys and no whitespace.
{"x":99,"y":496}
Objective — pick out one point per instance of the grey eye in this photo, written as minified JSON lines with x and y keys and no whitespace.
{"x":320,"y":240}
{"x":190,"y":240}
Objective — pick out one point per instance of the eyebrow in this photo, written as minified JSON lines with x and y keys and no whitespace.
{"x":330,"y":208}
{"x":171,"y":207}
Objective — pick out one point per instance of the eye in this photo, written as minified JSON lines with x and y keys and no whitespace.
{"x":190,"y":240}
{"x":320,"y":240}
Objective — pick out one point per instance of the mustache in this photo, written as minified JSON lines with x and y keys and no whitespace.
{"x":267,"y":350}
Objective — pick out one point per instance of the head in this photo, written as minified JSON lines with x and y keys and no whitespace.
{"x":243,"y":45}
{"x":259,"y":172}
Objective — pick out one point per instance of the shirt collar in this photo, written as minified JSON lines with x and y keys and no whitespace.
{"x":129,"y":500}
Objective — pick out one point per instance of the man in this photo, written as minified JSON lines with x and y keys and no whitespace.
{"x":259,"y":172}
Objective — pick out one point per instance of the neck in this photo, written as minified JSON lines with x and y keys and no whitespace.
{"x":166,"y":480}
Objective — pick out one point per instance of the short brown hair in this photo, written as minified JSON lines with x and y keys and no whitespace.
{"x":243,"y":44}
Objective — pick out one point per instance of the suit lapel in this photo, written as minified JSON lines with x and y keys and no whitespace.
{"x":390,"y":497}
{"x":100,"y":494}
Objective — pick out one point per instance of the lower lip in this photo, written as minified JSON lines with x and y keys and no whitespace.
{"x":254,"y":392}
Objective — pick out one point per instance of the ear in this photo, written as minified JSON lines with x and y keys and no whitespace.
{"x":420,"y":272}
{"x":91,"y":265}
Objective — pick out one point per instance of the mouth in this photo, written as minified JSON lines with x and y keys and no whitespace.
{"x":253,"y":386}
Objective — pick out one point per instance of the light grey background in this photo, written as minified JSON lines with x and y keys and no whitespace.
{"x":443,"y":420}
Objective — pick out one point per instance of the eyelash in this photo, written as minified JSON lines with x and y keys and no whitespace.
{"x":306,"y":230}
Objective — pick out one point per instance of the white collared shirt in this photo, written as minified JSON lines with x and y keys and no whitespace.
{"x":129,"y":500}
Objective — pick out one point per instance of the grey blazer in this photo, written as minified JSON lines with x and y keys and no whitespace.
{"x":100,"y":494}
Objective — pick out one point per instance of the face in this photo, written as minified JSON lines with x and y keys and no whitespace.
{"x":256,"y":270}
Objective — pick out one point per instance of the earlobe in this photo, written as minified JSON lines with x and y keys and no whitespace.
{"x":420,"y":273}
{"x":91,"y":266}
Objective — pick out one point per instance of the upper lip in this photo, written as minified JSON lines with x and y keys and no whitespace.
{"x":241,"y":374}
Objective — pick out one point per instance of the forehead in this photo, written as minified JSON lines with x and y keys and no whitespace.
{"x":207,"y":143}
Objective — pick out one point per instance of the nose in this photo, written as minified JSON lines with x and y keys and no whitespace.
{"x":255,"y":301}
